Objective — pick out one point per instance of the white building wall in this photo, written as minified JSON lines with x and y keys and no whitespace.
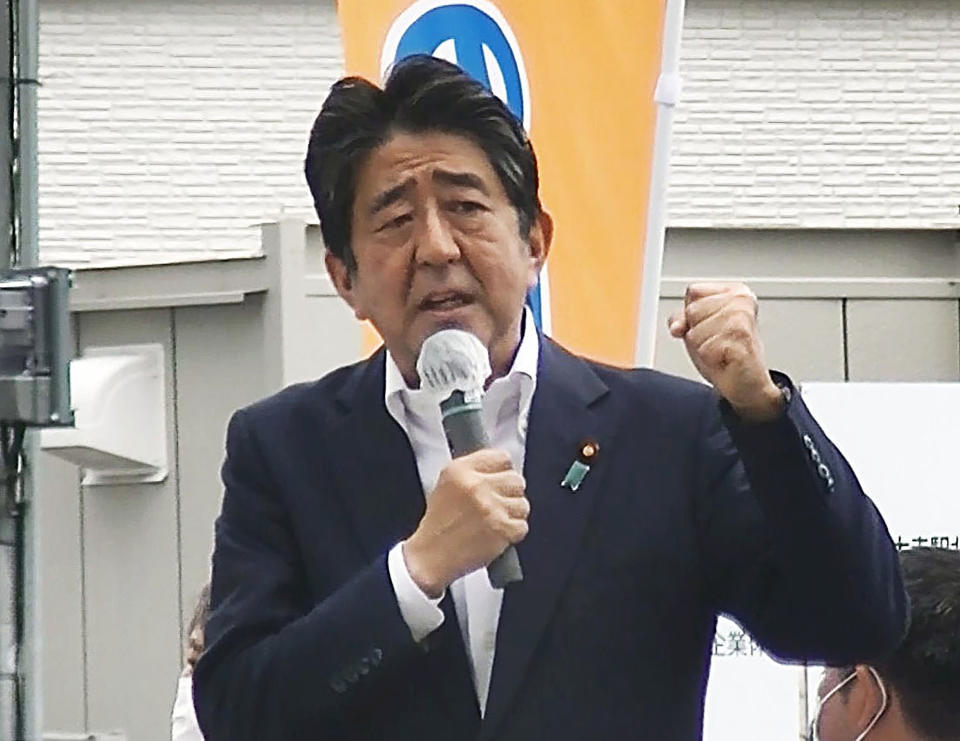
{"x":808,"y":113}
{"x":169,"y":127}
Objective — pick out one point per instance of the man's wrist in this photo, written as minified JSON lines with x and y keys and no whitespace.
{"x":420,"y":572}
{"x":421,"y":613}
{"x":769,"y":405}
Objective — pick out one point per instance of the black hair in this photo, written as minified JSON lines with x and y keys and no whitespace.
{"x":422,"y":94}
{"x":925,"y":670}
{"x":200,"y":612}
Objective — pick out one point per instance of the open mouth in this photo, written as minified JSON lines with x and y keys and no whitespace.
{"x":446,"y":301}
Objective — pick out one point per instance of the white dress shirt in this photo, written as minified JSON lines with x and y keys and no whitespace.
{"x":506,"y":405}
{"x":183,"y":723}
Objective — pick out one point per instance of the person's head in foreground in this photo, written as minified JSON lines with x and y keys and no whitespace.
{"x":183,"y":722}
{"x":427,"y":193}
{"x":194,"y":645}
{"x":914,"y":694}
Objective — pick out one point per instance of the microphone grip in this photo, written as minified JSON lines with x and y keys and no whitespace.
{"x":463,"y":426}
{"x":505,"y":569}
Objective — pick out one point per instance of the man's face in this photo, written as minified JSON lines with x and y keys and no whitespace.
{"x":837,"y":721}
{"x":437,"y":245}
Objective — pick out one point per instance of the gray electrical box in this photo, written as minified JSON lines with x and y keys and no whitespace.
{"x":35,"y":346}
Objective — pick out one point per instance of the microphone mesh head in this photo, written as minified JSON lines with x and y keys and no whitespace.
{"x":453,"y":360}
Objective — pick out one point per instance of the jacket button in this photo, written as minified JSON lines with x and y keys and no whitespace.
{"x":824,"y":472}
{"x":815,"y":456}
{"x":376,"y":655}
{"x":808,"y":442}
{"x":364,"y":666}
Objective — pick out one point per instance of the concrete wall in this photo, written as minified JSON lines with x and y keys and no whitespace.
{"x":835,"y":306}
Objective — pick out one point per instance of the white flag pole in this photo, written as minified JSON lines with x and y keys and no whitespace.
{"x":666,"y":97}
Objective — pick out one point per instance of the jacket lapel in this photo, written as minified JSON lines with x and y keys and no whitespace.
{"x":565,"y":411}
{"x":373,"y":463}
{"x":379,"y":485}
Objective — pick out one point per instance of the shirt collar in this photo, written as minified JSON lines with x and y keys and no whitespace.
{"x":400,"y":399}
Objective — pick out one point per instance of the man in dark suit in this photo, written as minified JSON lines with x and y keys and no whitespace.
{"x":349,"y":597}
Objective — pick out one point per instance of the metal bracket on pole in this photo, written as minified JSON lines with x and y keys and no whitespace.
{"x":669,"y":89}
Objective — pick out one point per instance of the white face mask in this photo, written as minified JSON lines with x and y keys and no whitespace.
{"x":183,"y":724}
{"x":815,"y":724}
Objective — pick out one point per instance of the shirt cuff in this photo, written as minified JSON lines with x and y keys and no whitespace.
{"x":421,"y":613}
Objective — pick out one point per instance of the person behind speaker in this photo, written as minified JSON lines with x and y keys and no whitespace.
{"x":914,"y":693}
{"x":183,"y":720}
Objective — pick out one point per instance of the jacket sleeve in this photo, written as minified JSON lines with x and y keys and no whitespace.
{"x":792,"y":547}
{"x":273,"y":661}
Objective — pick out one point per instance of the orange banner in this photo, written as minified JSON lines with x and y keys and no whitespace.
{"x":581,"y":74}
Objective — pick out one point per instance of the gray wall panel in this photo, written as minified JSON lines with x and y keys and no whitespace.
{"x":337,"y":338}
{"x":803,"y":338}
{"x":131,"y":566}
{"x":905,"y":340}
{"x":58,"y":512}
{"x":220,"y":368}
{"x":742,"y":253}
{"x":59,"y":552}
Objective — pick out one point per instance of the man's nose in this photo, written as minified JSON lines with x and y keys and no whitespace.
{"x":434,"y":243}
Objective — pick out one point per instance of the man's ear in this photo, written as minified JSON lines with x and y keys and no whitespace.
{"x":539,"y":241}
{"x":344,"y":280}
{"x":866,"y":697}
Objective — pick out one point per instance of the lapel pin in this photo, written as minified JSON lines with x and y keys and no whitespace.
{"x":586,"y":455}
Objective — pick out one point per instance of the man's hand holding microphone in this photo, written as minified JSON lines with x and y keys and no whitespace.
{"x":478,"y":508}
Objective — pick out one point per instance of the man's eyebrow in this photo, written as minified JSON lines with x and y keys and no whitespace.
{"x":388,"y":197}
{"x":462,"y":180}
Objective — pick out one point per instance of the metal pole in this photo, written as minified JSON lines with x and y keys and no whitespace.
{"x":8,"y":524}
{"x":6,"y":135}
{"x":666,"y":96}
{"x":27,"y":53}
{"x":28,"y":256}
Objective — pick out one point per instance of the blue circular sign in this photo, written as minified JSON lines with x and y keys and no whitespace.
{"x":473,"y":35}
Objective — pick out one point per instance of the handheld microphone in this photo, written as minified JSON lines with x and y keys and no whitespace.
{"x":454,"y":365}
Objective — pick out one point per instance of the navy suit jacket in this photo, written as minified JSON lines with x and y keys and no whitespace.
{"x":685,"y":514}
